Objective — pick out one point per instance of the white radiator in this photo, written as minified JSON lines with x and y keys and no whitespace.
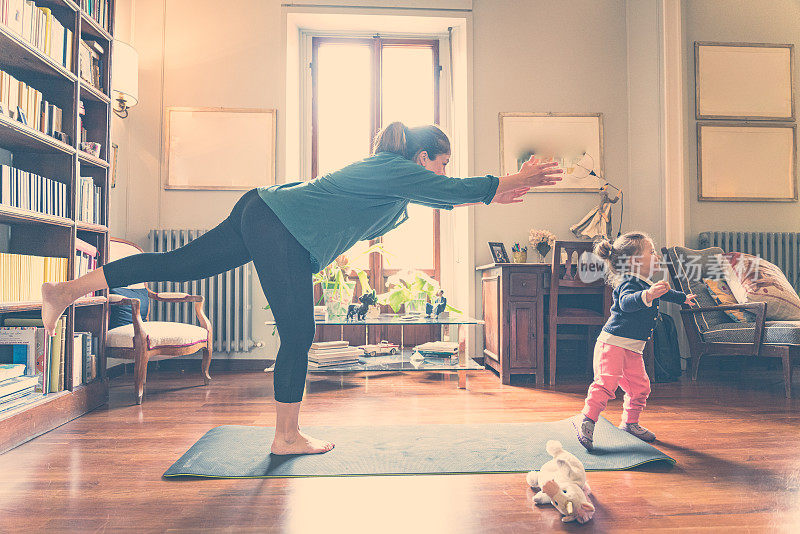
{"x":228,"y":298}
{"x":780,"y":248}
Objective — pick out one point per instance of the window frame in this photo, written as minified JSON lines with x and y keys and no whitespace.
{"x":377,"y":271}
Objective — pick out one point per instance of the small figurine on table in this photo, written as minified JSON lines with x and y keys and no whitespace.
{"x":438,"y":305}
{"x":359,"y":311}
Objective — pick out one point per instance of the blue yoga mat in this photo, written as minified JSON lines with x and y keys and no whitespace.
{"x":233,"y":451}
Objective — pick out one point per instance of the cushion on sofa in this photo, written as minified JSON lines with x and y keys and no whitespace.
{"x":754,"y":279}
{"x":722,"y":295}
{"x":691,"y":266}
{"x":775,"y":332}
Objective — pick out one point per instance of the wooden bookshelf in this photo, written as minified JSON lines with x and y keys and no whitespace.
{"x":48,"y":235}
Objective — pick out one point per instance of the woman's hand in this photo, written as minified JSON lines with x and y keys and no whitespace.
{"x":512,"y":196}
{"x":537,"y":173}
{"x":533,"y":173}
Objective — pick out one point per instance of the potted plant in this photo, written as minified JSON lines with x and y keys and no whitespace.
{"x":412,"y":289}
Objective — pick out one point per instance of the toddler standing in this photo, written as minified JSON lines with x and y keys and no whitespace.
{"x":630,"y":261}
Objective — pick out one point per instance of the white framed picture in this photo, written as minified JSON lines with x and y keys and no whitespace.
{"x":219,"y":148}
{"x":564,"y":137}
{"x":739,"y":81}
{"x":746,"y":162}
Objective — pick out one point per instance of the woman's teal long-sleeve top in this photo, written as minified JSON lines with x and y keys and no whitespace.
{"x":364,"y":200}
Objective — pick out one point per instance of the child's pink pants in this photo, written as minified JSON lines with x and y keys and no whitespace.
{"x":615,"y":366}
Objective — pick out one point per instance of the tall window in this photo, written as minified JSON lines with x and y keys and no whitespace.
{"x":358,"y":86}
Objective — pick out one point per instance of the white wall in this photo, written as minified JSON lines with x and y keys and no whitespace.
{"x":754,"y":21}
{"x":548,"y":55}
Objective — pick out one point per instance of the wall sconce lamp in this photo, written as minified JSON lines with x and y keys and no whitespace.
{"x":124,"y":77}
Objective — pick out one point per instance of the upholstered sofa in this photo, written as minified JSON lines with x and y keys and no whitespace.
{"x":711,"y":332}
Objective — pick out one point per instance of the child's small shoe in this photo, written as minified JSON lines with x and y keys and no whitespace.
{"x":639,"y":431}
{"x":584,"y":428}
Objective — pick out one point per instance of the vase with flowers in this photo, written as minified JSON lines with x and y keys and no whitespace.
{"x":542,"y":241}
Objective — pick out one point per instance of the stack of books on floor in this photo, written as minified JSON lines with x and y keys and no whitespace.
{"x":328,"y":353}
{"x":441,"y":349}
{"x":320,"y":313}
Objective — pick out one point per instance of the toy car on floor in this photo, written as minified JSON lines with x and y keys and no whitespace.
{"x":380,"y":349}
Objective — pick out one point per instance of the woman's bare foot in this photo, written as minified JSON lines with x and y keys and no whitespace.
{"x":54,"y":302}
{"x":300,"y":444}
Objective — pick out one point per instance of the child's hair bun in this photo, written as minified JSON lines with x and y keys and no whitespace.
{"x":603,"y":249}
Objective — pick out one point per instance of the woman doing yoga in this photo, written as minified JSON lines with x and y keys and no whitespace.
{"x":290,"y":231}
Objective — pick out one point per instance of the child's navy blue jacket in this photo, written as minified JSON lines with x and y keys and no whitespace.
{"x":631,"y":317}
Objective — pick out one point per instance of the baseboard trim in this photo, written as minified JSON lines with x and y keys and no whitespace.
{"x":193,"y":364}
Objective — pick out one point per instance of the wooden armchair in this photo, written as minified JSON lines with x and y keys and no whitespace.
{"x":711,"y":334}
{"x":143,"y":341}
{"x":565,"y":279}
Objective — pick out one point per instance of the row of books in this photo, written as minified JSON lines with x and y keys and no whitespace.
{"x":320,"y":313}
{"x":85,"y":257}
{"x":90,"y":63}
{"x":27,"y":105}
{"x":98,"y":10}
{"x":40,"y":28}
{"x":24,"y":343}
{"x":27,"y":190}
{"x":15,"y":385}
{"x":89,"y":201}
{"x":22,"y":276}
{"x":326,"y":353}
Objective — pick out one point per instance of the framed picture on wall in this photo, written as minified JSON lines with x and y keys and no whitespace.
{"x":741,"y":81}
{"x":562,"y":137}
{"x":746,"y":162}
{"x":219,"y":148}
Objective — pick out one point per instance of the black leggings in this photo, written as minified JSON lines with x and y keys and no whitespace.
{"x":252,"y":232}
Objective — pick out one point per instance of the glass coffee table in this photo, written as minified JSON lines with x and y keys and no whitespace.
{"x":406,"y":359}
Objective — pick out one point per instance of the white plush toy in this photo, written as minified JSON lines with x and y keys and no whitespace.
{"x":562,"y":482}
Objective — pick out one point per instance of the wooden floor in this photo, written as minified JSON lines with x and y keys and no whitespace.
{"x":737,"y":447}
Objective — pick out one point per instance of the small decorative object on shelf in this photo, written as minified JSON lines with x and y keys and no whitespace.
{"x":542,"y":241}
{"x":91,"y":148}
{"x":438,"y":306}
{"x":520,"y":254}
{"x":380,"y":349}
{"x":359,"y":311}
{"x":498,"y":252}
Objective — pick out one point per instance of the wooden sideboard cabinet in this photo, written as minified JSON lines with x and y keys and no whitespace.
{"x":513,"y":312}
